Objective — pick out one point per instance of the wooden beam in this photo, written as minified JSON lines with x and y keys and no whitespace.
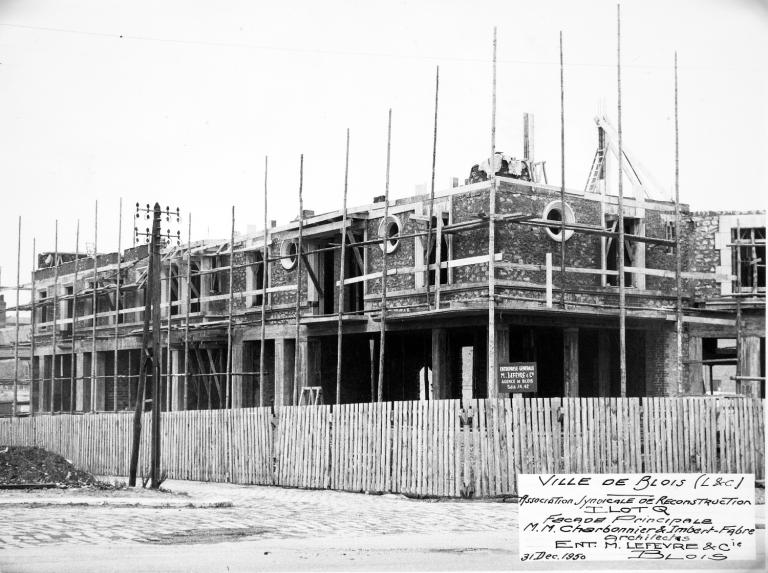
{"x":355,"y":251}
{"x":311,"y":274}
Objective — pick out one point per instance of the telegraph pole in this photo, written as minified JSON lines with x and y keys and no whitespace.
{"x":156,"y":357}
{"x":150,"y":347}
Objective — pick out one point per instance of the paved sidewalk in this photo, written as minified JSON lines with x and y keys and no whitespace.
{"x":272,"y":529}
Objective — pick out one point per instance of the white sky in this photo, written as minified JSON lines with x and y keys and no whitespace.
{"x":179,"y":102}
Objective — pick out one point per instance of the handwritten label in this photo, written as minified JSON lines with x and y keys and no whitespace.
{"x":637,"y":517}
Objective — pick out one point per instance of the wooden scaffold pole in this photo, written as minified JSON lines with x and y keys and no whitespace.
{"x":492,"y":390}
{"x":384,"y":247}
{"x":32,"y":321}
{"x":562,"y":180}
{"x":117,"y":304}
{"x":620,"y":245}
{"x":264,"y":280}
{"x":678,"y":254}
{"x":432,"y":209}
{"x":73,"y":357}
{"x":187,"y":309}
{"x":168,"y":375}
{"x":738,"y":308}
{"x":297,"y":347}
{"x":55,"y":304}
{"x":95,"y":298}
{"x":15,"y":406}
{"x":228,"y":386}
{"x":342,"y":277}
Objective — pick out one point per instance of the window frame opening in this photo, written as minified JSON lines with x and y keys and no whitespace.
{"x":554,"y":230}
{"x":392,"y":241}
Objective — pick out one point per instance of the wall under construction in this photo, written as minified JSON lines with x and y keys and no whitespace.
{"x":437,"y":325}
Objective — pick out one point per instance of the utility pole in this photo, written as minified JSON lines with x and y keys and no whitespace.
{"x":156,"y":357}
{"x":150,"y":350}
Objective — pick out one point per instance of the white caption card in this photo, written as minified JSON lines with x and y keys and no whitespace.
{"x":637,"y":517}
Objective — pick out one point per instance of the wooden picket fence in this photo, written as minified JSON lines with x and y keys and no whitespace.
{"x":475,"y":448}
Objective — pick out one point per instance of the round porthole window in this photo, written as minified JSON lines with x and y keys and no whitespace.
{"x":288,"y":250}
{"x":391,"y":230}
{"x":554,"y":212}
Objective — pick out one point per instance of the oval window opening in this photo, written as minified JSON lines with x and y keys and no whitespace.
{"x":288,"y":250}
{"x":390,"y":230}
{"x":555,"y":213}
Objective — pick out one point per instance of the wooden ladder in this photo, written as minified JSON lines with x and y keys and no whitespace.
{"x":314,"y":396}
{"x":594,"y":172}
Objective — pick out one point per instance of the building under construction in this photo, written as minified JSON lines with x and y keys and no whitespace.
{"x":501,"y":269}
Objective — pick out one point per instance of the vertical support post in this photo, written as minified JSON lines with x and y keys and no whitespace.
{"x":169,"y":381}
{"x":528,"y":144}
{"x":14,"y":408}
{"x":738,"y":306}
{"x":156,"y":353}
{"x":384,"y":246}
{"x":548,"y":273}
{"x":342,"y":269}
{"x":297,"y":350}
{"x":264,"y":274}
{"x":117,"y":304}
{"x":32,"y":321}
{"x":571,"y":362}
{"x":187,"y":309}
{"x":678,"y":254}
{"x":440,"y":365}
{"x":432,"y":204}
{"x":228,"y":387}
{"x":492,"y":389}
{"x":562,"y":178}
{"x":73,"y":362}
{"x":620,"y":246}
{"x":130,"y":376}
{"x":55,"y":307}
{"x":95,"y":299}
{"x":754,"y":261}
{"x":372,"y":361}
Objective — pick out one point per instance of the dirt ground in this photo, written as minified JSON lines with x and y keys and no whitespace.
{"x":24,"y":466}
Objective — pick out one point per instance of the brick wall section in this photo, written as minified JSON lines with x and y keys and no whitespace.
{"x":526,"y":244}
{"x":705,"y":256}
{"x":661,"y":362}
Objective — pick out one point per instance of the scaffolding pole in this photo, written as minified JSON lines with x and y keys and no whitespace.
{"x":620,"y":246}
{"x":342,"y":269}
{"x":492,"y":393}
{"x":432,"y":207}
{"x":168,"y":378}
{"x":264,"y":274}
{"x":299,"y":246}
{"x":117,"y":305}
{"x":15,"y":406}
{"x":55,"y":304}
{"x":678,"y":254}
{"x":738,"y":309}
{"x":73,"y":361}
{"x":562,"y":181}
{"x":94,"y":360}
{"x":384,"y":247}
{"x":228,"y":381}
{"x":32,"y":321}
{"x":187,"y":309}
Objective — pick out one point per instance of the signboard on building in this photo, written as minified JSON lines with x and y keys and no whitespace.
{"x":516,"y":377}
